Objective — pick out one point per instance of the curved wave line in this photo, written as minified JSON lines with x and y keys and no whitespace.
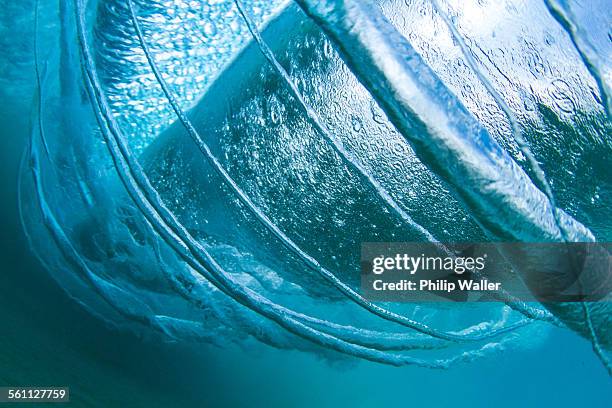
{"x":147,"y":199}
{"x":309,"y":260}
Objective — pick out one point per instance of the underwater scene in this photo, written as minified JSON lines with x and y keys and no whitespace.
{"x":234,"y":203}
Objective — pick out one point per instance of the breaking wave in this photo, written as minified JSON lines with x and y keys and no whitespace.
{"x":209,"y":170}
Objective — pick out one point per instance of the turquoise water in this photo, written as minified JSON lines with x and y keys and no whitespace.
{"x":47,"y":339}
{"x":135,"y":332}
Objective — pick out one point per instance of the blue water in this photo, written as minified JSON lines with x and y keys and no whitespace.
{"x":299,"y":153}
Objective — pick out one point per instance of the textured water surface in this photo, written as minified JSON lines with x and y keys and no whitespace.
{"x":208,"y":170}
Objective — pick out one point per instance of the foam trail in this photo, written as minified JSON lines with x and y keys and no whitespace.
{"x":38,"y":74}
{"x":306,"y":258}
{"x":562,"y":13}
